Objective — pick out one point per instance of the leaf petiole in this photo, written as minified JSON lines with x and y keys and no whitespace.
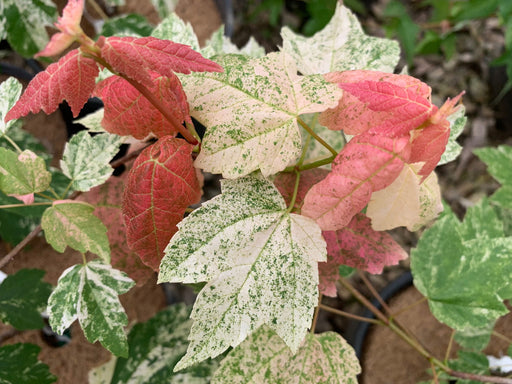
{"x":316,"y":137}
{"x":7,"y":206}
{"x":11,"y":141}
{"x":295,"y":191}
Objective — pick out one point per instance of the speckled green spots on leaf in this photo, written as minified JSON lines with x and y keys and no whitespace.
{"x":73,"y":224}
{"x":465,"y":269}
{"x":453,"y":149}
{"x":88,"y":293}
{"x":261,"y":97}
{"x":264,"y":359}
{"x":86,"y":159}
{"x":19,"y":365}
{"x":260,"y":263}
{"x":340,"y":46}
{"x":219,"y":44}
{"x":174,"y":28}
{"x":10,"y":92}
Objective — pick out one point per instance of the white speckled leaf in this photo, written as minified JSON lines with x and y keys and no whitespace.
{"x":340,"y":46}
{"x":453,"y":149}
{"x":89,"y":293}
{"x":219,"y":44}
{"x":264,"y":359}
{"x":409,"y":201}
{"x":93,"y":121}
{"x":465,"y":269}
{"x":164,"y":7}
{"x":260,"y":263}
{"x":25,"y":22}
{"x":10,"y":91}
{"x":86,"y":159}
{"x":22,"y":174}
{"x":72,"y":223}
{"x":175,"y":29}
{"x":250,"y":111}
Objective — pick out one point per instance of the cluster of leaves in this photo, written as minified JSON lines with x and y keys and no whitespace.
{"x":321,"y":147}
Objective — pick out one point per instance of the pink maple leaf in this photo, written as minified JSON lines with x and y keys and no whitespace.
{"x":134,"y":57}
{"x":285,"y":184}
{"x":72,"y":78}
{"x":386,"y":103}
{"x":128,"y":112}
{"x":366,"y":164}
{"x":161,"y":185}
{"x":328,"y":275}
{"x":69,"y":27}
{"x":107,"y":198}
{"x":358,"y":246}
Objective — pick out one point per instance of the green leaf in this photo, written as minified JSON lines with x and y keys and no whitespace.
{"x":22,"y":307}
{"x":498,"y":162}
{"x":340,"y":46}
{"x":260,"y":262}
{"x":19,"y":365}
{"x":164,"y":7}
{"x":86,"y":159}
{"x":10,"y":92}
{"x":470,"y":362}
{"x":127,"y":25}
{"x":474,"y":9}
{"x":92,"y":121}
{"x":88,"y":292}
{"x":465,"y":269}
{"x":250,"y":111}
{"x":25,"y":22}
{"x":155,"y":348}
{"x":22,"y":174}
{"x":264,"y":359}
{"x":475,"y":339}
{"x":402,"y":24}
{"x":457,"y":123}
{"x":71,"y":223}
{"x":219,"y":44}
{"x":175,"y":29}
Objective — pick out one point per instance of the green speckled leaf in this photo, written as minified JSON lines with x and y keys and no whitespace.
{"x":457,"y":122}
{"x":175,"y":29}
{"x":219,"y":44}
{"x":498,"y":162}
{"x":164,"y":7}
{"x":25,"y":22}
{"x":19,"y":365}
{"x":465,"y":269}
{"x":127,"y":25}
{"x":155,"y":348}
{"x":71,"y":223}
{"x":250,"y":111}
{"x":88,"y":293}
{"x":340,"y":46}
{"x":93,"y":121}
{"x":264,"y":359}
{"x":86,"y":159}
{"x":22,"y":307}
{"x":260,"y":263}
{"x":10,"y":91}
{"x":474,"y":339}
{"x":22,"y":174}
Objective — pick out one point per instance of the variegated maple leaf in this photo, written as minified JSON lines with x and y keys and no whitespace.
{"x":161,"y":185}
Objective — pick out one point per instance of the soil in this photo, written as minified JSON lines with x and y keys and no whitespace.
{"x":385,"y":359}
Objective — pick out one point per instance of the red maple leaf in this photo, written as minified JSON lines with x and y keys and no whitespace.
{"x":285,"y":184}
{"x":366,"y":164}
{"x":128,"y":112}
{"x":72,"y":78}
{"x":161,"y":185}
{"x":358,"y":246}
{"x":134,"y":57}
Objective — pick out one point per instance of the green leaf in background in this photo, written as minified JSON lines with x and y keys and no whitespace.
{"x":25,"y":22}
{"x":401,"y":24}
{"x":19,"y":365}
{"x":10,"y":91}
{"x":155,"y":348}
{"x":457,"y":123}
{"x":22,"y":174}
{"x":164,"y":7}
{"x":474,"y":339}
{"x":20,"y":306}
{"x":498,"y":162}
{"x":72,"y":223}
{"x":89,"y":293}
{"x":470,"y":362}
{"x":86,"y":159}
{"x":175,"y":29}
{"x":463,"y":10}
{"x":340,"y":46}
{"x":320,"y":13}
{"x":127,"y":25}
{"x":260,"y":262}
{"x":251,"y":112}
{"x":465,"y":269}
{"x":265,"y":359}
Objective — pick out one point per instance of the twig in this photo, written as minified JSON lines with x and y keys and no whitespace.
{"x":7,"y":258}
{"x":482,"y":378}
{"x":349,"y":315}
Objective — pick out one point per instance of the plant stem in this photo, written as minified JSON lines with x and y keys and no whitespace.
{"x":314,"y":164}
{"x":295,"y":190}
{"x":348,"y":314}
{"x":7,"y":258}
{"x":6,"y":206}
{"x":315,"y":315}
{"x":316,"y":137}
{"x":98,"y":9}
{"x":11,"y":141}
